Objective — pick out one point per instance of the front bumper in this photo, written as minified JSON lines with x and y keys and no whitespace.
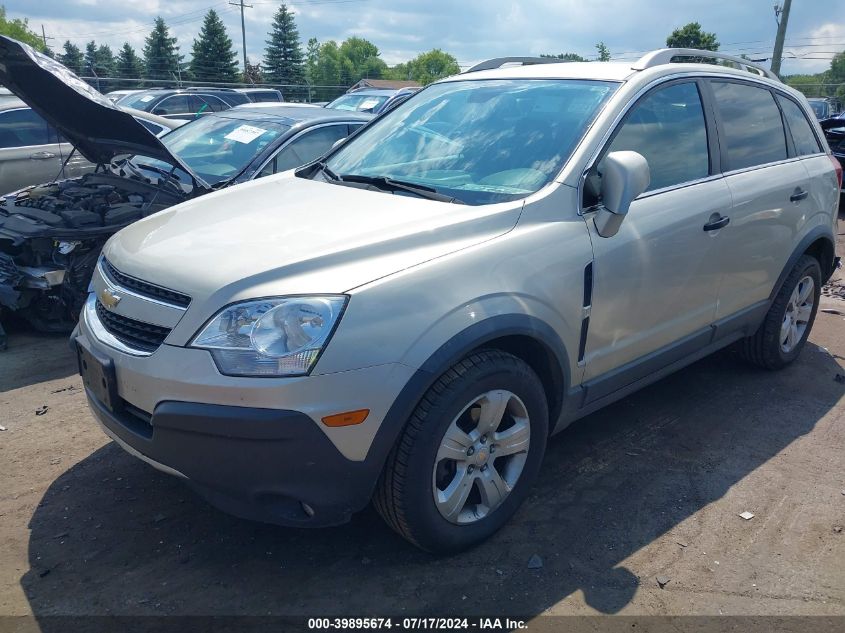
{"x":265,"y":465}
{"x":254,"y":447}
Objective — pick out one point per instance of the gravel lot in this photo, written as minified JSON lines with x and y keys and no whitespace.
{"x":649,"y":488}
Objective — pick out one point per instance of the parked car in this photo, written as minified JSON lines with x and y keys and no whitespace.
{"x":262,"y":95}
{"x":184,"y":103}
{"x":32,"y":151}
{"x":45,"y":280}
{"x":371,"y":100}
{"x":408,"y":319}
{"x":834,"y":131}
{"x":825,"y":107}
{"x":116,"y":95}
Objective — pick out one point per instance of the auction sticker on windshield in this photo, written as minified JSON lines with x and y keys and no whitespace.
{"x":245,"y":133}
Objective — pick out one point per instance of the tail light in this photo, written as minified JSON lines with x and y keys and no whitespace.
{"x":837,"y":166}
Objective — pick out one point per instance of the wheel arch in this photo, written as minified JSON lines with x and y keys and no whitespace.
{"x":524,"y":336}
{"x":818,"y":243}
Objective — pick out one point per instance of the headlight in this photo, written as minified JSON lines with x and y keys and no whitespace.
{"x":271,"y":337}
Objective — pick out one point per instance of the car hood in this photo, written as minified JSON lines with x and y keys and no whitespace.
{"x":92,"y":123}
{"x":288,"y":235}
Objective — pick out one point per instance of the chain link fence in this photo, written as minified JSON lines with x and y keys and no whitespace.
{"x":303,"y":93}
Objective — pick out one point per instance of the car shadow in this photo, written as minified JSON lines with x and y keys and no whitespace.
{"x":113,"y":536}
{"x":33,"y":357}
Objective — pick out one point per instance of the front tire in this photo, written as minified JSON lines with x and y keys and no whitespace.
{"x":783,"y":333}
{"x":468,"y":455}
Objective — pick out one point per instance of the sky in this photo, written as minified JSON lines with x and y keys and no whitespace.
{"x":471,"y":30}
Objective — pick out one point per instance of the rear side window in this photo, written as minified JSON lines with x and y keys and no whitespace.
{"x":802,"y":134}
{"x":21,"y":128}
{"x":177,"y":104}
{"x":751,"y":123}
{"x":667,"y":127}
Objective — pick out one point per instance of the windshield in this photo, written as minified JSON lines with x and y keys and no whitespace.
{"x":218,"y":147}
{"x":477,"y":141}
{"x":136,"y":100}
{"x":359,"y":103}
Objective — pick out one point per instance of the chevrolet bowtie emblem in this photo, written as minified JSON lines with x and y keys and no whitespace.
{"x":109,"y":298}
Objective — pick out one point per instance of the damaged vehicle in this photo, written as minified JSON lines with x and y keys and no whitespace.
{"x":52,"y":234}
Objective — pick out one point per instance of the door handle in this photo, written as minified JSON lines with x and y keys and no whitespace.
{"x":798,"y":195}
{"x":717,"y":222}
{"x":42,"y":155}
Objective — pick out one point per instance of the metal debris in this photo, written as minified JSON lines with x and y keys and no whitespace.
{"x":662,"y":581}
{"x":42,"y":409}
{"x":747,"y":515}
{"x":535,"y":562}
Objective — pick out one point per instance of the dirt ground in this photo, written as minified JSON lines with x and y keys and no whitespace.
{"x":652,"y":487}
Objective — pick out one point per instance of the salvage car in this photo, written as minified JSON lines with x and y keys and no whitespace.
{"x":51,"y":234}
{"x":408,"y":319}
{"x":834,"y":131}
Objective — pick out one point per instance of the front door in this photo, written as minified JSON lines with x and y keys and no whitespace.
{"x":656,"y":281}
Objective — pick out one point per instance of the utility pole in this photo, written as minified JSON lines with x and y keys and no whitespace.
{"x":243,"y":6}
{"x":44,"y":36}
{"x":782,"y":17}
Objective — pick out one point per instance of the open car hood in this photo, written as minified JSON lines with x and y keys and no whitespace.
{"x":94,"y":125}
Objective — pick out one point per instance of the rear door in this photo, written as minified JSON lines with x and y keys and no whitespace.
{"x":769,"y":187}
{"x":656,"y":280}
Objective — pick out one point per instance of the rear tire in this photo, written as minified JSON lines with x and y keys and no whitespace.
{"x":468,"y":455}
{"x":783,"y":333}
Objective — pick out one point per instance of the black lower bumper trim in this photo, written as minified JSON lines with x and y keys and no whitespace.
{"x":259,"y":464}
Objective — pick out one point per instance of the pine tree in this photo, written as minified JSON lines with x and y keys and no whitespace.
{"x":72,"y":58}
{"x":214,"y":59}
{"x":161,"y":53}
{"x":90,"y":60}
{"x":603,"y":52}
{"x":129,"y":66}
{"x":283,"y":59}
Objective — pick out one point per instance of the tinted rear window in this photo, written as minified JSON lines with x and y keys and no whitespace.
{"x":21,"y":128}
{"x":802,"y":134}
{"x":752,"y":125}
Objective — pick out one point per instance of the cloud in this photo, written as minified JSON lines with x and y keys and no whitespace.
{"x":470,"y":29}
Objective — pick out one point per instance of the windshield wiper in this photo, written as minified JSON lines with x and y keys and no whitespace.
{"x":321,"y":166}
{"x":390,"y":184}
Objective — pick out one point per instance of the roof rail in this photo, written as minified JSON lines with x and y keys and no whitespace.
{"x":666,"y":55}
{"x":498,"y":62}
{"x":215,"y":88}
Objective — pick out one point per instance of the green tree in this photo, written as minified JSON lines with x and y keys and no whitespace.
{"x":213,"y":58}
{"x":603,"y":52}
{"x":283,"y":59}
{"x":161,"y":53}
{"x":836,"y":76}
{"x":691,"y":36}
{"x":433,"y":65}
{"x":363,"y":55}
{"x":129,"y":66}
{"x":72,"y":58}
{"x":99,"y":62}
{"x":312,"y":54}
{"x":332,"y":69}
{"x":19,"y":29}
{"x":569,"y":57}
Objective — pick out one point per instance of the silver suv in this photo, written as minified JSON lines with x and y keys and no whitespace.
{"x":410,"y":318}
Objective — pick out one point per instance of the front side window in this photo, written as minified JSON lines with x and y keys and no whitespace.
{"x":478,"y":141}
{"x":21,"y":128}
{"x":177,"y":104}
{"x":667,"y":127}
{"x":359,"y":103}
{"x":802,"y":134}
{"x":305,"y":148}
{"x":752,"y":125}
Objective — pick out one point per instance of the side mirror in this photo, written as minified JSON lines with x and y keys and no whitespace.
{"x":339,"y":141}
{"x":625,"y":176}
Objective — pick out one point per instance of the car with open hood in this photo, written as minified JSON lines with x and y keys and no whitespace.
{"x":51,"y":234}
{"x":408,"y":319}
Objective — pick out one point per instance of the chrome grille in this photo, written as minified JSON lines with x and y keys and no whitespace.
{"x":136,"y":334}
{"x":145,"y":288}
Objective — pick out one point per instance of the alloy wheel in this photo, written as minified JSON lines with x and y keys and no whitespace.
{"x":799,"y":309}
